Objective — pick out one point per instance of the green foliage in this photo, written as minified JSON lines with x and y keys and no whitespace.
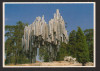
{"x":62,"y":52}
{"x":46,"y":57}
{"x":66,"y":25}
{"x":13,"y":44}
{"x":72,"y":44}
{"x":82,"y":47}
{"x":89,"y":38}
{"x":43,"y":53}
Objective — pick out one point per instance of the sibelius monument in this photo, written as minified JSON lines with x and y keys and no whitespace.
{"x":39,"y":34}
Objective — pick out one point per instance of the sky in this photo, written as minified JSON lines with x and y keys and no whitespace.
{"x":74,"y":14}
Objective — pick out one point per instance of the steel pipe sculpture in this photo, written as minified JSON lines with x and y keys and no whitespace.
{"x":39,"y":33}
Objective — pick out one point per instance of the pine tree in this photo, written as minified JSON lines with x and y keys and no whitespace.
{"x":82,"y":47}
{"x":46,"y":57}
{"x":72,"y":44}
{"x":89,"y":38}
{"x":62,"y":52}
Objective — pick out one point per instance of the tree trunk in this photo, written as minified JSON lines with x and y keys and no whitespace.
{"x":83,"y":64}
{"x":15,"y":59}
{"x":30,"y":57}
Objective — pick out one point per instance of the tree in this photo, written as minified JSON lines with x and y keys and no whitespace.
{"x":89,"y":38}
{"x":66,"y":25}
{"x":46,"y":57}
{"x":13,"y":46}
{"x":62,"y":52}
{"x":82,"y":47}
{"x":9,"y":44}
{"x":43,"y":53}
{"x":72,"y":44}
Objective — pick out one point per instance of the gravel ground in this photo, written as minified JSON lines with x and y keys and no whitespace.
{"x":54,"y":63}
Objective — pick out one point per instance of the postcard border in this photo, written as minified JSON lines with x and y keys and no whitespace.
{"x":94,"y":16}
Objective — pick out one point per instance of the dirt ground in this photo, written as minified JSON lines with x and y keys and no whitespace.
{"x":54,"y":63}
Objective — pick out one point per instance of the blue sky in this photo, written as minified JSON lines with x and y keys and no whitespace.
{"x":74,"y":14}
